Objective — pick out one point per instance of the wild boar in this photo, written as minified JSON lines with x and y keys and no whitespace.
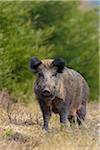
{"x":60,"y":90}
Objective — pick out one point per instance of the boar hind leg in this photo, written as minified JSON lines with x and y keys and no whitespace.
{"x":72,"y":114}
{"x":46,"y":112}
{"x":79,"y":116}
{"x":71,"y":119}
{"x":81,"y":113}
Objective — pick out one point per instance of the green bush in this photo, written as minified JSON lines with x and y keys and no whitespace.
{"x":47,"y":30}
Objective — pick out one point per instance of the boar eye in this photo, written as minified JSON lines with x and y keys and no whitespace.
{"x":54,"y":75}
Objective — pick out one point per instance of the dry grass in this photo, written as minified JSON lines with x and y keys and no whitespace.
{"x":29,"y":137}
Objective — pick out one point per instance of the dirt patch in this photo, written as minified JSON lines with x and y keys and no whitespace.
{"x":20,"y":114}
{"x":4,"y":119}
{"x":21,"y":129}
{"x":5,"y":99}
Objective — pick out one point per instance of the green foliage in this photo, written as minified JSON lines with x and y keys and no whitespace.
{"x":47,"y":30}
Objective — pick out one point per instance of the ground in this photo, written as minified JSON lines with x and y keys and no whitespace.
{"x":21,"y":129}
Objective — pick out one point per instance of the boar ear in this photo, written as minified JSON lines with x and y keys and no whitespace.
{"x":34,"y":63}
{"x":59,"y":63}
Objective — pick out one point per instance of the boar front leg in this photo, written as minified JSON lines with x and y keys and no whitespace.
{"x":63,"y":116}
{"x":64,"y":111}
{"x":46,"y":114}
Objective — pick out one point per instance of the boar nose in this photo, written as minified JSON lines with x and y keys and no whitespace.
{"x":46,"y":92}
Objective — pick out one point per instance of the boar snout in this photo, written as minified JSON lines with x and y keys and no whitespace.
{"x":46,"y":93}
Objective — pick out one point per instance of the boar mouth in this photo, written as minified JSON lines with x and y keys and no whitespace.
{"x":47,"y":95}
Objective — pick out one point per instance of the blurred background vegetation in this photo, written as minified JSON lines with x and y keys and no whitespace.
{"x":48,"y":29}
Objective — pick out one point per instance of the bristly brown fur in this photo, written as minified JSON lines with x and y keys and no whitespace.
{"x":70,"y":93}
